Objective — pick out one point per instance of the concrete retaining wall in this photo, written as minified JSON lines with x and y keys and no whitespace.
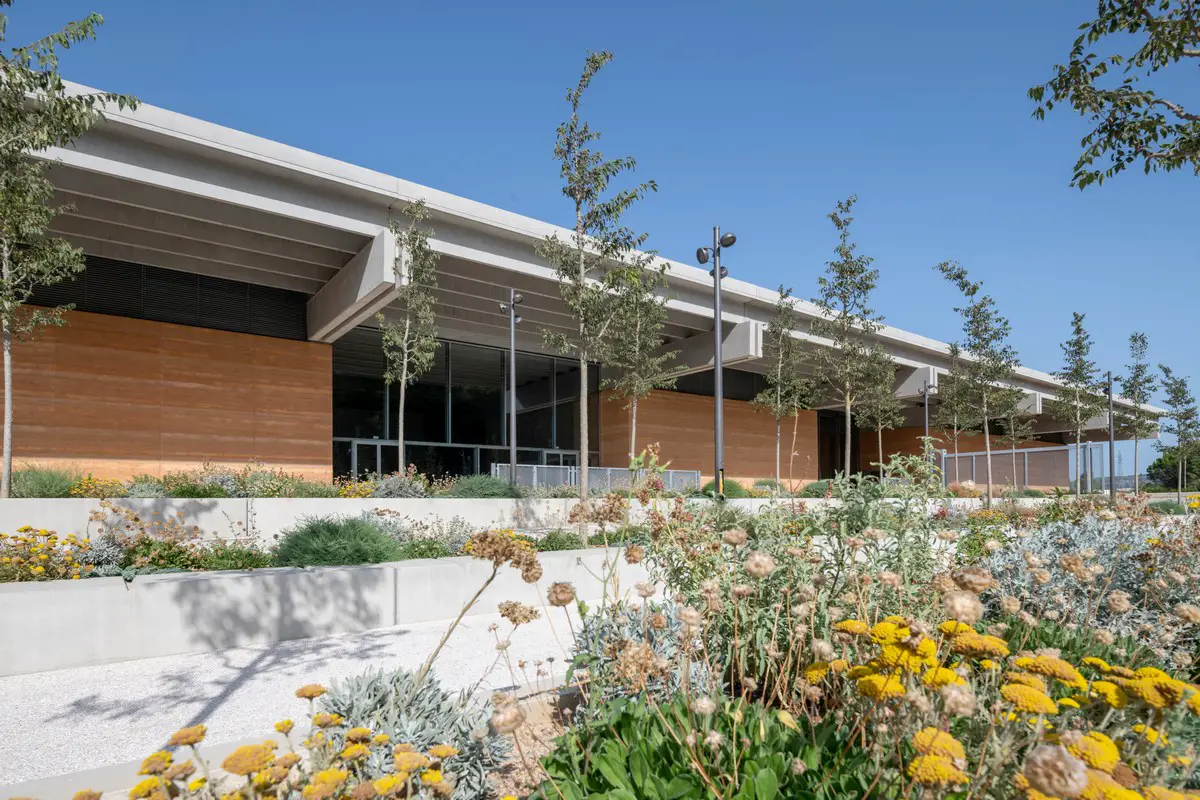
{"x":64,"y":624}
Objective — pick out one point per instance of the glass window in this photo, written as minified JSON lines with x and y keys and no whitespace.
{"x":437,"y":461}
{"x":534,"y":428}
{"x":341,"y":459}
{"x":534,"y":376}
{"x":568,"y":425}
{"x":424,"y":404}
{"x":357,"y":406}
{"x":476,"y":395}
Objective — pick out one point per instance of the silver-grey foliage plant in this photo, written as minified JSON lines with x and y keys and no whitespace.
{"x":422,"y":715}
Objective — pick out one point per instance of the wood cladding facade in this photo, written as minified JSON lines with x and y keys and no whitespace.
{"x":682,"y":425}
{"x":118,"y":396}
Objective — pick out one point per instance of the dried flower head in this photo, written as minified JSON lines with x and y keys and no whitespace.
{"x":759,"y":564}
{"x":560,"y":594}
{"x":1118,"y":602}
{"x":958,"y":700}
{"x":1188,"y":613}
{"x":1054,"y":772}
{"x":735,"y":537}
{"x":518,"y":613}
{"x":645,"y":589}
{"x":962,"y":606}
{"x":634,"y":554}
{"x":973,"y":579}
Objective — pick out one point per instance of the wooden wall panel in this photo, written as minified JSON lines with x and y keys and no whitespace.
{"x":117,"y":396}
{"x":682,"y":424}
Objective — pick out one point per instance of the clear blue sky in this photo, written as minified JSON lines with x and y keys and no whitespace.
{"x":756,"y":116}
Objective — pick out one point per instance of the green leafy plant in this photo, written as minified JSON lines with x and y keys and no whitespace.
{"x":44,"y":482}
{"x":424,"y":548}
{"x":483,"y":486}
{"x":233,"y":555}
{"x":1168,"y":507}
{"x":198,"y":490}
{"x":400,"y":485}
{"x":335,"y":541}
{"x":420,"y":712}
{"x":815,"y":490}
{"x":561,"y":540}
{"x":733,"y":489}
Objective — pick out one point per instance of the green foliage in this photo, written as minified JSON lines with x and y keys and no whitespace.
{"x":334,"y":541}
{"x":483,"y":486}
{"x":1137,"y":387}
{"x":561,"y":540}
{"x":1168,"y":507}
{"x":198,"y":490}
{"x":815,"y":490}
{"x":44,"y":482}
{"x":733,"y":489}
{"x":628,"y":750}
{"x":1182,"y":420}
{"x":626,"y":534}
{"x":1132,"y":123}
{"x":422,"y":714}
{"x":233,"y":555}
{"x":145,"y":487}
{"x":409,"y":331}
{"x":955,"y":414}
{"x":1026,"y":492}
{"x":1164,"y":471}
{"x":29,"y":256}
{"x":307,"y":488}
{"x":879,"y":409}
{"x":423,"y":548}
{"x":1081,"y":399}
{"x":787,"y":391}
{"x":399,"y":485}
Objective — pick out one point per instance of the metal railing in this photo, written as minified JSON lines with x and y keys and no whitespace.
{"x":1035,"y":467}
{"x":600,"y":478}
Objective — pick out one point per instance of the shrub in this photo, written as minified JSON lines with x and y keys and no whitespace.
{"x":1026,"y":492}
{"x":1168,"y":507}
{"x":197,"y":490}
{"x":98,"y":488}
{"x":398,"y":485}
{"x":815,"y":490}
{"x":107,"y":551}
{"x":561,"y":540}
{"x":451,"y":534}
{"x":40,"y":555}
{"x":233,"y":555}
{"x":483,"y":486}
{"x":626,"y":534}
{"x":145,"y":486}
{"x":306,"y":488}
{"x":144,"y":551}
{"x":422,"y":715}
{"x":423,"y":548}
{"x":334,"y":541}
{"x":733,"y":489}
{"x":43,"y":482}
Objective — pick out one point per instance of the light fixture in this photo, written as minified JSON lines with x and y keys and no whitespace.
{"x":702,"y":255}
{"x":728,"y":240}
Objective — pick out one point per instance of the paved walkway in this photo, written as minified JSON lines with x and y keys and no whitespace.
{"x":70,"y":720}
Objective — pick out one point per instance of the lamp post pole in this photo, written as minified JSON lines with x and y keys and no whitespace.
{"x":1112,"y":446}
{"x":514,"y":299}
{"x":703,"y":254}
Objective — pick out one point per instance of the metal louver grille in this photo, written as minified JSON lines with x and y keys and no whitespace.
{"x":108,"y":286}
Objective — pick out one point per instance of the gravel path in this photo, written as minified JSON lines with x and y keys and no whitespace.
{"x":60,"y":722}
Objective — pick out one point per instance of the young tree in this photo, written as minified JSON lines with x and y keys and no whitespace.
{"x":1132,"y":123}
{"x":1183,"y":422}
{"x":640,"y":364}
{"x":1016,"y":426}
{"x":955,"y":413}
{"x":847,"y":321}
{"x":988,"y":359}
{"x":37,"y":112}
{"x":1137,"y":387}
{"x":879,"y":409}
{"x":410,"y":336}
{"x":1081,"y":400}
{"x":787,"y":391}
{"x":593,"y":264}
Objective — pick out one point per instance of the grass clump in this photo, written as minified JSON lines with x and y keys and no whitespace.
{"x":482,"y":486}
{"x":44,"y":482}
{"x":560,"y":540}
{"x":335,"y":541}
{"x":733,"y":489}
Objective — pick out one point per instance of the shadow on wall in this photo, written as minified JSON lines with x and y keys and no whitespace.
{"x":223,"y":517}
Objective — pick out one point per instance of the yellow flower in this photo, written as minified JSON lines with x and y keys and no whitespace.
{"x":907,"y":658}
{"x":407,"y":761}
{"x":979,"y":645}
{"x":954,"y":628}
{"x":839,"y":665}
{"x":888,"y":633}
{"x":431,"y":777}
{"x":1102,"y":787}
{"x":1096,"y":750}
{"x":287,"y":760}
{"x":1022,"y":783}
{"x":1193,"y":703}
{"x":358,"y":734}
{"x":148,"y":789}
{"x":380,"y":739}
{"x":271,"y":776}
{"x":816,"y":672}
{"x":390,"y":785}
{"x":191,"y":735}
{"x":443,"y":751}
{"x":881,"y":687}
{"x":285,"y":726}
{"x":935,"y":770}
{"x":937,"y":677}
{"x":330,"y":777}
{"x":355,"y":752}
{"x":853,"y":626}
{"x":247,"y":759}
{"x":324,"y":719}
{"x":82,"y":794}
{"x":931,"y":741}
{"x":1151,"y":735}
{"x":987,"y":663}
{"x":310,"y":691}
{"x":1097,"y":663}
{"x":1113,"y":695}
{"x":1162,"y":793}
{"x":197,"y":784}
{"x":1025,"y":679}
{"x":1028,"y":699}
{"x":1059,"y":670}
{"x":860,"y":671}
{"x":1179,"y":761}
{"x":1068,"y":702}
{"x":1144,"y":689}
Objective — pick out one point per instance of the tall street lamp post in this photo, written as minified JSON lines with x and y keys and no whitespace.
{"x":514,"y":300}
{"x":703,"y":254}
{"x":1112,"y":446}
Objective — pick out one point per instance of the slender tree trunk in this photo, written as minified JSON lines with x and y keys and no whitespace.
{"x":957,"y":479}
{"x":1135,"y":464}
{"x":849,"y":435}
{"x":777,"y":460}
{"x":400,"y":426}
{"x":583,"y":429}
{"x":792,"y":452}
{"x":1078,"y":465}
{"x":987,"y":449}
{"x":633,"y":431}
{"x":1014,"y":467}
{"x":6,"y":460}
{"x":7,"y":426}
{"x":879,"y":436}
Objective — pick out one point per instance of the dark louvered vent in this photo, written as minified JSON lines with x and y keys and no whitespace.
{"x":108,"y":286}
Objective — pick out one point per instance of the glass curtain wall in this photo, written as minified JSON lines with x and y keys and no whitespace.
{"x":455,"y":416}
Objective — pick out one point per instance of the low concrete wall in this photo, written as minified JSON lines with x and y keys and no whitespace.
{"x":63,"y":624}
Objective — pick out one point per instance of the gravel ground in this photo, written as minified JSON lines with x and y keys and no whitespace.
{"x":60,"y":722}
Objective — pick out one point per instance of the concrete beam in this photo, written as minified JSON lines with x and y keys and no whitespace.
{"x":742,"y":343}
{"x":909,"y":382}
{"x":359,"y":290}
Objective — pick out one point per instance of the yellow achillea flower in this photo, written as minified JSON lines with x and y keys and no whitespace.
{"x":1113,"y":695}
{"x":1122,"y":672}
{"x":1025,"y":679}
{"x":330,"y":777}
{"x":86,"y":794}
{"x":1193,"y":703}
{"x":1022,"y":662}
{"x":1096,"y":750}
{"x":390,"y":785}
{"x":895,"y":619}
{"x":1022,"y":784}
{"x":860,"y":671}
{"x":935,"y":770}
{"x":358,"y":734}
{"x":442,"y":751}
{"x":197,"y":784}
{"x":1162,"y":793}
{"x":284,"y":726}
{"x":355,"y":752}
{"x":287,"y":760}
{"x":310,"y":691}
{"x":1059,"y":670}
{"x":854,"y":626}
{"x":156,"y":763}
{"x":269,"y":777}
{"x":407,"y":761}
{"x":933,"y":742}
{"x":937,"y":677}
{"x":839,"y":665}
{"x":1153,"y":673}
{"x":881,"y":687}
{"x":1102,"y":787}
{"x":1097,"y":663}
{"x":380,"y":739}
{"x":247,"y":759}
{"x":976,"y":644}
{"x":888,"y":633}
{"x":1151,"y":735}
{"x":325,"y":719}
{"x":954,"y":628}
{"x":1146,"y":690}
{"x":148,"y":789}
{"x":816,"y":672}
{"x":431,"y":776}
{"x":908,"y":658}
{"x":191,"y":735}
{"x":1028,"y":699}
{"x":987,"y":663}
